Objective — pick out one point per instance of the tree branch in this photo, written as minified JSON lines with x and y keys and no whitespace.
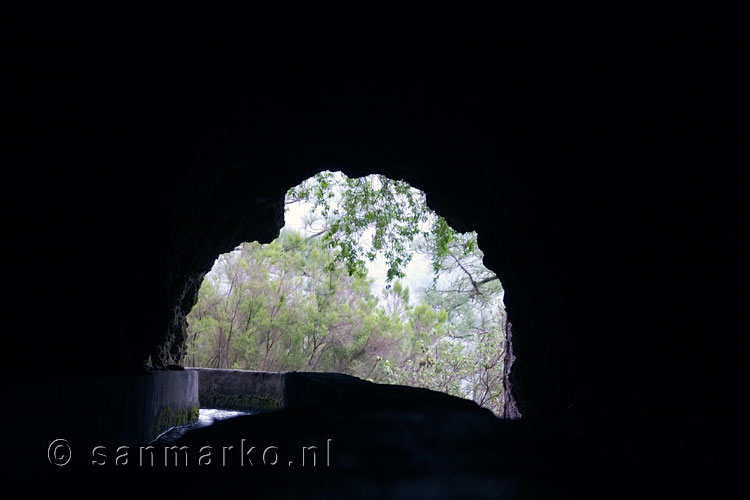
{"x":313,"y":236}
{"x":487,"y":280}
{"x":473,"y":283}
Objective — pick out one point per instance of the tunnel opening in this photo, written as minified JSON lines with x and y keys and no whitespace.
{"x":366,"y":280}
{"x":609,"y":223}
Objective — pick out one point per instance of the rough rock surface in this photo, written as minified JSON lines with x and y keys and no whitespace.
{"x":601,"y":187}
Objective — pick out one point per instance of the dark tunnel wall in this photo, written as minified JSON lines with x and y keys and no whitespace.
{"x":601,"y":198}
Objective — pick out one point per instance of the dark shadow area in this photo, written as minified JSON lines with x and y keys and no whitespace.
{"x":601,"y":183}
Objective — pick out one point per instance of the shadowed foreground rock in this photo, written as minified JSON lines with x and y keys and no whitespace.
{"x":599,"y":176}
{"x":371,"y":440}
{"x":366,"y":440}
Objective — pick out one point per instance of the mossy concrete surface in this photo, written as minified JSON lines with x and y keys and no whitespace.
{"x":244,"y":390}
{"x":170,"y":416}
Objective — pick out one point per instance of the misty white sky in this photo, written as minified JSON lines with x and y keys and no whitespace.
{"x":418,"y":273}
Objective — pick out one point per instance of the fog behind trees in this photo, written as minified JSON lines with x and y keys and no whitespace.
{"x":364,"y":280}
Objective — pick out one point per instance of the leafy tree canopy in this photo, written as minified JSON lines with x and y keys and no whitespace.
{"x":393,"y":212}
{"x":306,"y":302}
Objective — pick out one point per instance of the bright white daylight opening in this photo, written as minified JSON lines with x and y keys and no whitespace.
{"x":364,"y":279}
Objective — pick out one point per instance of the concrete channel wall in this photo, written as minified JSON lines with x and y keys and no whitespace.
{"x":117,"y":411}
{"x":134,"y":410}
{"x":240,"y":389}
{"x":262,"y":391}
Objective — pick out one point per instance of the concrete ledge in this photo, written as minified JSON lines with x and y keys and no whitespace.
{"x":116,"y":411}
{"x":262,"y":391}
{"x":240,"y":389}
{"x":174,"y":401}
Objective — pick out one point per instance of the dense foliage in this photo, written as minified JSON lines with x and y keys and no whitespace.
{"x":306,"y":302}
